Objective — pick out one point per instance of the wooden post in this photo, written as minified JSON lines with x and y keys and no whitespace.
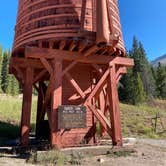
{"x":102,"y":104}
{"x":40,"y":101}
{"x":114,"y":107}
{"x":56,"y":102}
{"x":26,"y":107}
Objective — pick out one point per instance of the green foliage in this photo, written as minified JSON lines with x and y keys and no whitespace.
{"x":50,"y":157}
{"x":137,"y":120}
{"x":139,"y":83}
{"x":143,"y":67}
{"x":132,"y":90}
{"x":54,"y":157}
{"x":1,"y":57}
{"x":161,"y":81}
{"x":10,"y":114}
{"x":4,"y":71}
{"x":138,"y":93}
{"x":8,"y":83}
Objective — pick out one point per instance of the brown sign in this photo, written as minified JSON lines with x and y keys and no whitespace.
{"x":70,"y":117}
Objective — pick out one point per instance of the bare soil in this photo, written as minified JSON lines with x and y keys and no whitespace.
{"x":149,"y":152}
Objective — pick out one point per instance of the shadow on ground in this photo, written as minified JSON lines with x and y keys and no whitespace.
{"x":9,"y":133}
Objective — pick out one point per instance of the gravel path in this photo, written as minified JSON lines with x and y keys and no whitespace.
{"x":149,"y":153}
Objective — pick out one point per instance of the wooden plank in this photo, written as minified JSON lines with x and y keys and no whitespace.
{"x":121,"y":70}
{"x":62,"y":44}
{"x":39,"y":76}
{"x":123,"y":61}
{"x":97,"y":89}
{"x":75,"y":85}
{"x":20,"y":73}
{"x":73,"y":45}
{"x":91,"y":51}
{"x":46,"y":65}
{"x":37,"y":53}
{"x":39,"y":115}
{"x":114,"y":107}
{"x":56,"y":102}
{"x":102,"y":105}
{"x":24,"y":62}
{"x":26,"y":107}
{"x":69,"y":67}
{"x":102,"y":119}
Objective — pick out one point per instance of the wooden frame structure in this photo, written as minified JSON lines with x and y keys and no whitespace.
{"x":71,"y":52}
{"x":38,"y":66}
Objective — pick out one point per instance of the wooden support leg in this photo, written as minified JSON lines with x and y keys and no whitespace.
{"x":26,"y":107}
{"x":102,"y":104}
{"x":114,"y":107}
{"x":56,"y":101}
{"x":39,"y":116}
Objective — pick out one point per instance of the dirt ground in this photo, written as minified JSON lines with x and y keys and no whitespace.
{"x":149,"y":153}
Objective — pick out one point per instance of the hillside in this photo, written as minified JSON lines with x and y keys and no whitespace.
{"x":161,"y":59}
{"x":136,"y":120}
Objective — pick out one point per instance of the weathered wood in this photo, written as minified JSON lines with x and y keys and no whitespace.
{"x":39,"y":115}
{"x":75,"y":85}
{"x":39,"y":76}
{"x":114,"y":107}
{"x":56,"y":101}
{"x":46,"y":65}
{"x":69,"y":67}
{"x":102,"y":119}
{"x":26,"y":107}
{"x":85,"y":35}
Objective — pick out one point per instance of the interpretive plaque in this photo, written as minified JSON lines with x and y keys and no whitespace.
{"x":70,"y":117}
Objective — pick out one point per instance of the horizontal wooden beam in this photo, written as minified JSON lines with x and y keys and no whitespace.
{"x":36,"y":53}
{"x":25,"y":62}
{"x":123,"y":61}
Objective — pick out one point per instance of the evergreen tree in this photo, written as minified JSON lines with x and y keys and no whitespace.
{"x":161,"y":81}
{"x":125,"y":90}
{"x":138,"y":93}
{"x":14,"y":86}
{"x":4,"y":71}
{"x":1,"y":57}
{"x":147,"y":75}
{"x":143,"y":67}
{"x":132,"y":90}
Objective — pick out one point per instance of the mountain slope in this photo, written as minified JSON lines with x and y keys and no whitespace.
{"x":161,"y":59}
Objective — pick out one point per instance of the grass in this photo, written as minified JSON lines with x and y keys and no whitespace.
{"x":136,"y":120}
{"x":10,"y":114}
{"x":55,"y":158}
{"x":52,"y":157}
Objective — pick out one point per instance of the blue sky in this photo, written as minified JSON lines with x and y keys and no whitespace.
{"x":146,"y":19}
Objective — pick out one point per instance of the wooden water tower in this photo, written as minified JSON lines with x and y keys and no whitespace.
{"x":72,"y":53}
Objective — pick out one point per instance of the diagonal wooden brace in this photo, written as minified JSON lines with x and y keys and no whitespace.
{"x":101,"y":117}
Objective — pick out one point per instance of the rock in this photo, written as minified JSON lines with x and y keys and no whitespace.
{"x":100,"y":160}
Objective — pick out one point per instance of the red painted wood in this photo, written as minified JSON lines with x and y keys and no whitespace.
{"x":40,"y":114}
{"x":65,"y":43}
{"x":114,"y":107}
{"x":56,"y":102}
{"x":26,"y":107}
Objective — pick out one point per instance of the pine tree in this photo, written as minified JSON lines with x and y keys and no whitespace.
{"x":132,"y":90}
{"x":143,"y":67}
{"x":147,"y":75}
{"x":125,"y":90}
{"x":161,"y":81}
{"x":4,"y":71}
{"x":1,"y":57}
{"x":138,"y":93}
